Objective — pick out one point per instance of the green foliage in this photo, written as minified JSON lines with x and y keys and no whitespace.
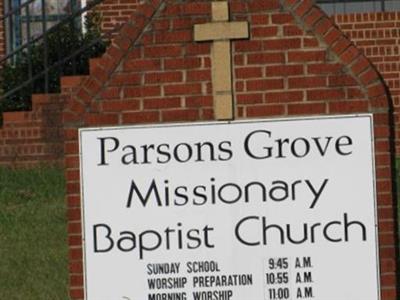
{"x":33,"y":235}
{"x":61,"y":43}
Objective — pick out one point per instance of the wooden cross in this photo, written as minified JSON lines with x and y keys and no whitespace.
{"x":221,"y":32}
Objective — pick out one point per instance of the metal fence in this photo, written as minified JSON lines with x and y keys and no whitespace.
{"x":21,"y":23}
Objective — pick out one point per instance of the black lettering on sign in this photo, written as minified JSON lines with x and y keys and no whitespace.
{"x":169,"y":296}
{"x":305,"y":277}
{"x":303,"y":262}
{"x":260,"y":144}
{"x":213,"y":295}
{"x":305,"y":293}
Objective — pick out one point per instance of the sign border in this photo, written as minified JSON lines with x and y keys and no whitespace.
{"x":242,"y":121}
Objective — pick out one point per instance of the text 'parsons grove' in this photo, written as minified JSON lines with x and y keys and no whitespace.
{"x":258,"y":144}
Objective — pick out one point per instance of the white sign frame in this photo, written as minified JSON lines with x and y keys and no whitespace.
{"x":82,"y":131}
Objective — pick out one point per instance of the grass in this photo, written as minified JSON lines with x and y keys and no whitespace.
{"x":33,"y":238}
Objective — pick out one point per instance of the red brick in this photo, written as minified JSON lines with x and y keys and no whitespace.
{"x":141,"y":117}
{"x":265,"y":58}
{"x":292,"y":30}
{"x":247,"y":46}
{"x":180,"y":115}
{"x":237,"y":6}
{"x":261,"y":19}
{"x":313,"y":16}
{"x":369,"y":76}
{"x":182,"y":23}
{"x":282,"y":44}
{"x":360,"y":65}
{"x":307,"y":82}
{"x":262,"y":5}
{"x":282,"y":18}
{"x":161,"y":77}
{"x":284,"y":97}
{"x":284,"y":70}
{"x":332,"y":36}
{"x":122,"y":42}
{"x":264,"y":84}
{"x":348,"y":106}
{"x":75,"y":267}
{"x":182,"y":89}
{"x":71,"y":148}
{"x":160,"y":103}
{"x":389,"y":294}
{"x":162,"y":51}
{"x":341,"y":45}
{"x":248,"y":72}
{"x":71,"y":174}
{"x":196,"y":8}
{"x":323,"y":26}
{"x":195,"y":49}
{"x":84,"y":96}
{"x":183,"y":63}
{"x":75,"y":253}
{"x":304,"y":109}
{"x":174,"y":37}
{"x":264,"y":31}
{"x":341,"y":80}
{"x":376,"y":90}
{"x":306,"y":56}
{"x":74,"y":214}
{"x":125,"y":79}
{"x":76,"y":293}
{"x":114,"y":53}
{"x":111,"y":93}
{"x":73,"y":200}
{"x":74,"y":228}
{"x":121,"y":105}
{"x":161,"y":24}
{"x":198,"y":101}
{"x":304,"y":7}
{"x":198,"y":75}
{"x":142,"y":65}
{"x":326,"y":68}
{"x":265,"y":110}
{"x":142,"y":91}
{"x":249,"y":98}
{"x":310,"y":43}
{"x":325,"y":94}
{"x":101,"y":119}
{"x":350,"y":55}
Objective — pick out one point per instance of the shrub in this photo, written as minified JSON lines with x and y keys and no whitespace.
{"x":62,"y":42}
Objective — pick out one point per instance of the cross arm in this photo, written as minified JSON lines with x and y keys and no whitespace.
{"x":221,"y":31}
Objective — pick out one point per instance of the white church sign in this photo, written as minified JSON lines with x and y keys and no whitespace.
{"x":255,"y":210}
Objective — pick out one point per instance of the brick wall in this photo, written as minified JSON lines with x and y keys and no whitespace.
{"x":35,"y":137}
{"x":115,"y":12}
{"x":296,"y":63}
{"x":29,"y":138}
{"x":377,"y":35}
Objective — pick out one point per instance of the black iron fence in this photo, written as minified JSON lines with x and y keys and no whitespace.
{"x":42,"y":47}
